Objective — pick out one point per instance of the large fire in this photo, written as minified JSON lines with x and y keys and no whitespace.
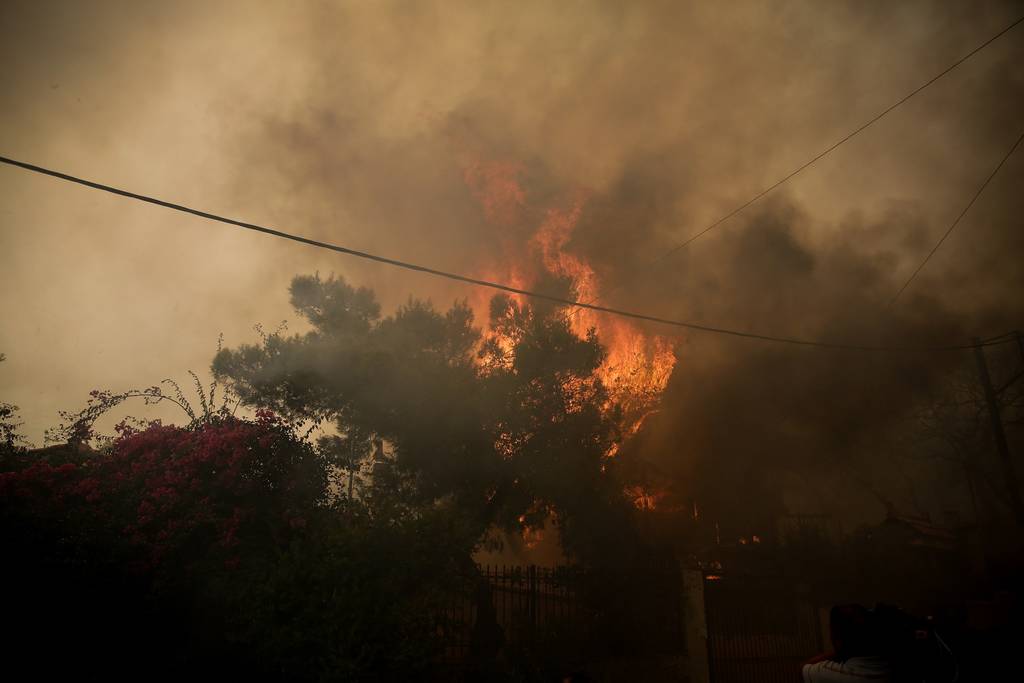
{"x":638,"y":364}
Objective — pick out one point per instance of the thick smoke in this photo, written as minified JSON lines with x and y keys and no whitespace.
{"x":664,"y":126}
{"x":358,"y":123}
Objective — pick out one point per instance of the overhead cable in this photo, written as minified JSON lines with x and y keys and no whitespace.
{"x":471,"y":280}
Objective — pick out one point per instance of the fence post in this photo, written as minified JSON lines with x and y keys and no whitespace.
{"x":695,"y":626}
{"x":824,"y":629}
{"x":531,"y":601}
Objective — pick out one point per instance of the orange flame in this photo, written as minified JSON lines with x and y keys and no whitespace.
{"x":637,"y":365}
{"x":496,"y":186}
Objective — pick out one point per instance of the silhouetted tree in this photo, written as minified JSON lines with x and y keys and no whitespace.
{"x":511,"y":427}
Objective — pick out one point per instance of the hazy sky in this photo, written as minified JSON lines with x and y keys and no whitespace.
{"x":354,"y":123}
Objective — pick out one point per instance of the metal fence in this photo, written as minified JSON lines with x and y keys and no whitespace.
{"x":563,"y":612}
{"x":760,"y":629}
{"x":521,"y":602}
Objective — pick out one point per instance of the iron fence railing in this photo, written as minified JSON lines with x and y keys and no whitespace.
{"x":518,"y":609}
{"x":760,"y":629}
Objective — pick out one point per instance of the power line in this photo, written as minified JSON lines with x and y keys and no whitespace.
{"x":470,"y":280}
{"x":958,"y":218}
{"x":657,"y":261}
{"x":1011,"y":333}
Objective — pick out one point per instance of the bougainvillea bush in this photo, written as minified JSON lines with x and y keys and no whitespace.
{"x":218,"y":548}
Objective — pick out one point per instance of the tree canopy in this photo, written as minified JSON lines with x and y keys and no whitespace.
{"x":512,"y":425}
{"x":276,"y":557}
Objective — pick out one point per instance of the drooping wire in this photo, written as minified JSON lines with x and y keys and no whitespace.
{"x":476,"y":281}
{"x":813,"y":160}
{"x":958,"y":219}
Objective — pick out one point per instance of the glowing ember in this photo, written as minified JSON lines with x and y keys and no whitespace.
{"x":531,"y":534}
{"x":531,"y":537}
{"x":644,"y":499}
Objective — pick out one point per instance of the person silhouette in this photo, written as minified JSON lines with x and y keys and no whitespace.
{"x":857,"y":650}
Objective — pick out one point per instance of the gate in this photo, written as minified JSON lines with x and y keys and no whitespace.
{"x":760,"y":629}
{"x":564,"y":613}
{"x":523,"y":602}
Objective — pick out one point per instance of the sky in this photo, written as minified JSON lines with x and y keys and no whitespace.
{"x":356,"y":123}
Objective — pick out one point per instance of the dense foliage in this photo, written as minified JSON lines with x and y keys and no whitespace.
{"x":512,"y":426}
{"x":223,"y":541}
{"x":236,"y":545}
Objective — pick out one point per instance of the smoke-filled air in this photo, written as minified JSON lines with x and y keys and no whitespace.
{"x":512,"y":341}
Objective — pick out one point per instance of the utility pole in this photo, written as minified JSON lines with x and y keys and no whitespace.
{"x":999,"y":436}
{"x":351,"y":464}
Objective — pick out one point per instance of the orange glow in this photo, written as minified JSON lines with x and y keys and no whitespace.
{"x":496,"y":186}
{"x":643,"y":498}
{"x":637,"y":365}
{"x":531,"y":537}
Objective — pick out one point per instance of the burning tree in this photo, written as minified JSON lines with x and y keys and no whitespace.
{"x":535,"y":253}
{"x":514,"y":425}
